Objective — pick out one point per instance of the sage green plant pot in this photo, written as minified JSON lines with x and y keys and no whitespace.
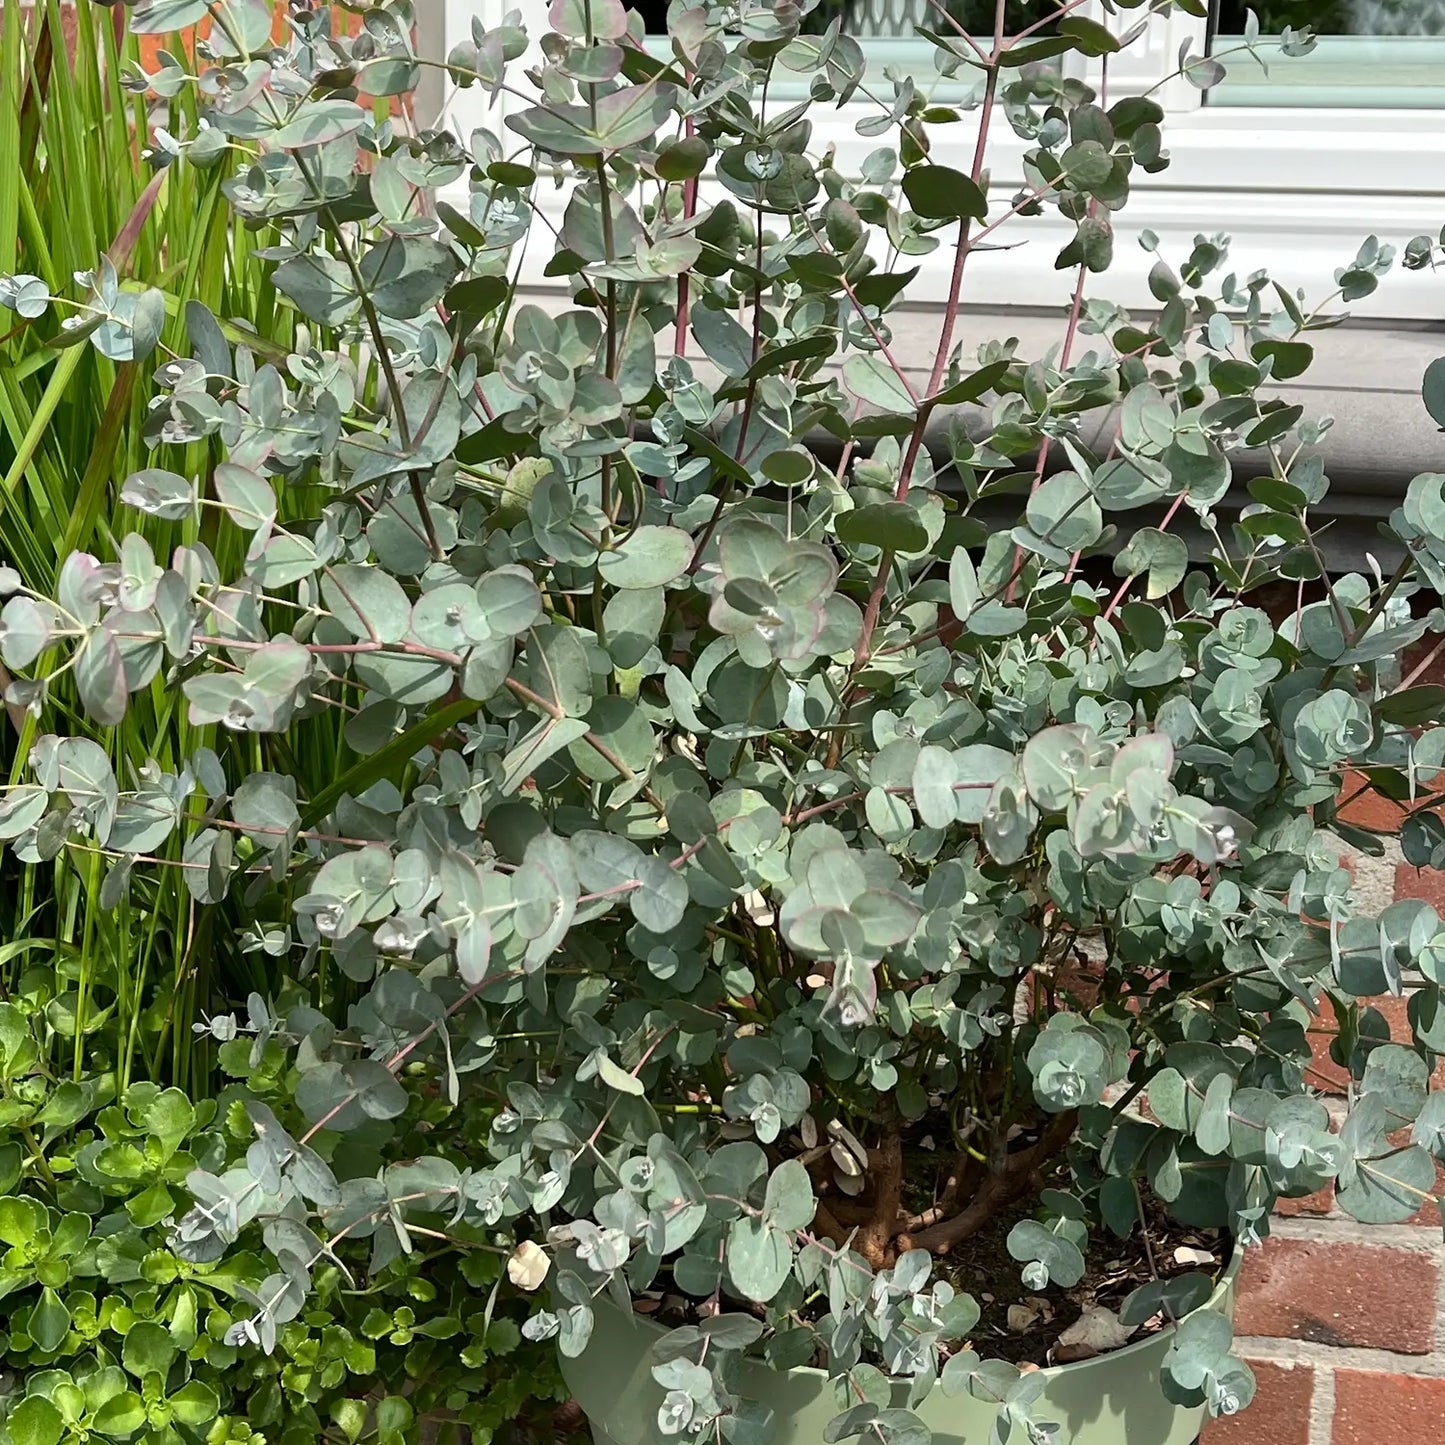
{"x":1113,"y":1399}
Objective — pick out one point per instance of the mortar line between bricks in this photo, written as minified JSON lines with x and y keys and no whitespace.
{"x":1339,"y":1228}
{"x":1322,"y":1408}
{"x":1342,"y":1357}
{"x":1438,"y":1335}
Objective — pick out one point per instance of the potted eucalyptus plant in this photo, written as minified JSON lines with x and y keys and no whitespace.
{"x":859,"y":876}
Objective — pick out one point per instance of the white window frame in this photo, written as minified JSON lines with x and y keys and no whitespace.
{"x":1296,"y":188}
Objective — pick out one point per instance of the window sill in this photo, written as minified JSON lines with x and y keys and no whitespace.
{"x":1296,"y":188}
{"x":1366,"y":376}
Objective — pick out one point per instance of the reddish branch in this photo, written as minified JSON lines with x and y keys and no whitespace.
{"x":885,"y":1168}
{"x":1000,"y":1187}
{"x":826,"y":1225}
{"x":966,"y":243}
{"x":880,"y":1229}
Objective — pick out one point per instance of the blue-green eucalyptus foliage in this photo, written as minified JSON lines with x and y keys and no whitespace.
{"x":733,"y":807}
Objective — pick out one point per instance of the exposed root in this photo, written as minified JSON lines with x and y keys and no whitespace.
{"x":875,"y":1235}
{"x":826,"y":1225}
{"x":1000,"y":1188}
{"x":962,"y":1183}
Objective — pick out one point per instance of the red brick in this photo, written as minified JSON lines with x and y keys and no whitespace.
{"x":152,"y":45}
{"x":1425,"y":651}
{"x":1426,"y":883}
{"x":1339,"y":1294}
{"x":1429,"y":1212}
{"x":1328,"y":1077}
{"x":1371,"y":1406}
{"x":34,"y":10}
{"x":1076,"y":984}
{"x":1317,"y":1204}
{"x":1324,"y":1072}
{"x":1280,"y":1413}
{"x":1365,"y":808}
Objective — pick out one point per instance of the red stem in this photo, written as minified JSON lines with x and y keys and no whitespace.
{"x":689,"y":209}
{"x":965,"y":246}
{"x":1118,"y":596}
{"x":1070,"y":333}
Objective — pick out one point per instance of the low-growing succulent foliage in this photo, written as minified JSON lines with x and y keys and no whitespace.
{"x":774,"y":748}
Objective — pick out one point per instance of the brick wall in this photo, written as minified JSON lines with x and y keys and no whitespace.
{"x":151,"y":45}
{"x":1344,"y":1323}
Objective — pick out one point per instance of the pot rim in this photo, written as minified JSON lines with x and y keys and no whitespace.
{"x":1223,"y":1285}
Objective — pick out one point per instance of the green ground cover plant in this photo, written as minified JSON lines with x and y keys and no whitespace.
{"x":113,"y":1334}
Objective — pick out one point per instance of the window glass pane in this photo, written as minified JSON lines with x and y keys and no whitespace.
{"x":893,"y":19}
{"x":892,"y":44}
{"x":1369,"y":53}
{"x":654,"y":14}
{"x":1338,"y":17}
{"x":900,"y":18}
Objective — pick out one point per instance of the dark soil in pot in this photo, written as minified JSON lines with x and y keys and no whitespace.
{"x":1024,"y":1326}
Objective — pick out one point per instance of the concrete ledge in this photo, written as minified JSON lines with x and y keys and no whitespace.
{"x":1366,"y":375}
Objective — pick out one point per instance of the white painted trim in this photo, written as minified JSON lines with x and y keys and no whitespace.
{"x":1297,"y":189}
{"x":1303,"y":247}
{"x":1277,"y":149}
{"x":444,"y":23}
{"x":1143,"y":65}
